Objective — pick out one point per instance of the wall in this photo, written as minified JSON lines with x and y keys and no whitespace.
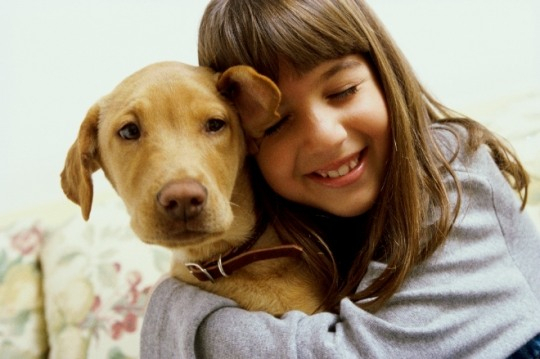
{"x":59,"y":56}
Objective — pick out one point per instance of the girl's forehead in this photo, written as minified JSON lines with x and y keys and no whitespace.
{"x":289,"y":71}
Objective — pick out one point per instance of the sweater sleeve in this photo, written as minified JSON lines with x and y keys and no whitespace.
{"x":183,"y":321}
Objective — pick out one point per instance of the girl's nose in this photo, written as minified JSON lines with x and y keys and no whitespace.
{"x":324,"y":130}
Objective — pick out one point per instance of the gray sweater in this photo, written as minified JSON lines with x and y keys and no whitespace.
{"x":478,"y":296}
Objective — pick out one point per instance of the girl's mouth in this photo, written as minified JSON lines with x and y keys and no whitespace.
{"x":341,"y":171}
{"x":344,"y":173}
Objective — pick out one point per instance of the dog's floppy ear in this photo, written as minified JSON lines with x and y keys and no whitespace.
{"x":81,"y":162}
{"x":256,"y":98}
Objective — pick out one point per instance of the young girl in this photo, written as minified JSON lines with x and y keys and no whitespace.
{"x":426,"y":250}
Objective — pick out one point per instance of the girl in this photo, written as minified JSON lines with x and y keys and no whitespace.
{"x":426,"y":250}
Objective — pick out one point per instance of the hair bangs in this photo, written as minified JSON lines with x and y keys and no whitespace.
{"x":266,"y":34}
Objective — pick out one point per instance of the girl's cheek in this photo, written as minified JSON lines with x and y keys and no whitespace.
{"x":273,"y":166}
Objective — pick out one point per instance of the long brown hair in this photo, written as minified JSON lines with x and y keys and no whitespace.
{"x":304,"y":33}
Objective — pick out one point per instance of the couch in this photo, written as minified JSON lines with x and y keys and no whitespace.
{"x":75,"y":289}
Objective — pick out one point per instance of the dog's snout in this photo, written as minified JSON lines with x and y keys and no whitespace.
{"x":182,"y":200}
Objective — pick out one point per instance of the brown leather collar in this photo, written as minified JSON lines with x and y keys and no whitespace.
{"x":241,"y":256}
{"x":224,"y":267}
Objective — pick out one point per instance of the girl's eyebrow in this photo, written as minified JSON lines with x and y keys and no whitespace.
{"x":340,"y":66}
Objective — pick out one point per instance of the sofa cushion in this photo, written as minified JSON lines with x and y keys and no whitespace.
{"x":22,"y":325}
{"x":97,"y":278}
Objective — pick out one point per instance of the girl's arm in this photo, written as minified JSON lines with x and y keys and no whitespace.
{"x":183,"y":321}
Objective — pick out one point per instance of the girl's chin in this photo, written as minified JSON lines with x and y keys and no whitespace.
{"x":345,"y":208}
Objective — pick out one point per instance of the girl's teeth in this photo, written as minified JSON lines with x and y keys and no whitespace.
{"x":342,"y":171}
{"x":333,"y":174}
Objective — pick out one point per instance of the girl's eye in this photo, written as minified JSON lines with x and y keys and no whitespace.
{"x":344,"y":94}
{"x":130,"y":131}
{"x":276,"y":127}
{"x":214,"y":125}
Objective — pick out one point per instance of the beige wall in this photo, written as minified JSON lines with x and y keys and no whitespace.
{"x":59,"y":56}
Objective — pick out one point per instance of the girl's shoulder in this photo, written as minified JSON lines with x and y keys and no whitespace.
{"x":467,"y":161}
{"x":452,"y":140}
{"x":472,"y":164}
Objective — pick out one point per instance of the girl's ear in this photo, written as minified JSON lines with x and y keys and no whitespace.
{"x":255,"y":96}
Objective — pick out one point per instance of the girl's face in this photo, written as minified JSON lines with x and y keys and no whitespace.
{"x":330,"y":149}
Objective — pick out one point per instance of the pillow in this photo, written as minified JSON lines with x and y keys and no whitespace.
{"x":97,"y":278}
{"x":22,"y":325}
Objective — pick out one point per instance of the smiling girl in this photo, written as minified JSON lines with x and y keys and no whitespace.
{"x":330,"y":149}
{"x":426,"y":252}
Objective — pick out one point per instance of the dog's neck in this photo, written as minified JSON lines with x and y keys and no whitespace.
{"x":224,"y":267}
{"x":249,"y":240}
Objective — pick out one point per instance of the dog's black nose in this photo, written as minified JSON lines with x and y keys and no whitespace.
{"x":183,"y":199}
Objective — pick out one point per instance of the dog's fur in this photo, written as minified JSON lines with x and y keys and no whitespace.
{"x":182,"y":178}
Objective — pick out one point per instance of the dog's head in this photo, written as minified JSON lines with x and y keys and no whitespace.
{"x":170,"y":139}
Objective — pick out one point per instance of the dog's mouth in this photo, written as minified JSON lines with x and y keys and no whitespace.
{"x":181,"y":238}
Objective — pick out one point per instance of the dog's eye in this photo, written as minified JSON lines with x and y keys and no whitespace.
{"x":130,"y":131}
{"x":214,"y":125}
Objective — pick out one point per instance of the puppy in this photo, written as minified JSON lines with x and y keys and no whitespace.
{"x":170,"y":139}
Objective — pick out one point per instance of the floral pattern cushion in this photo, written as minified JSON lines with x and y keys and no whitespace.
{"x":22,"y":325}
{"x":97,"y":278}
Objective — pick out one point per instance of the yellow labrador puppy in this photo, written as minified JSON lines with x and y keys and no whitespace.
{"x":170,"y":140}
